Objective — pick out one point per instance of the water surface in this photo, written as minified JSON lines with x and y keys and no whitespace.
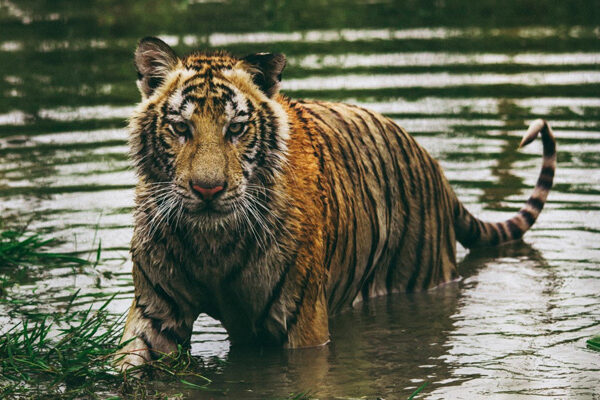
{"x":465,"y":78}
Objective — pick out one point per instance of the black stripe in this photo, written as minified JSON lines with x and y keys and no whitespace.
{"x":495,"y":240}
{"x":344,"y":138}
{"x":166,"y":109}
{"x":225,"y":89}
{"x":262,"y":145}
{"x":163,"y":143}
{"x":277,"y":290}
{"x":342,"y":187}
{"x":160,"y":292}
{"x":503,"y":234}
{"x":371,"y":213}
{"x":147,"y":139}
{"x":160,"y":156}
{"x":536,"y":203}
{"x":396,"y":165}
{"x":360,"y":136}
{"x":272,"y":139}
{"x":200,"y":101}
{"x":529,"y":217}
{"x":367,"y":280}
{"x":189,"y":89}
{"x":168,"y":333}
{"x":547,"y":171}
{"x":474,"y":233}
{"x":549,"y":144}
{"x":157,"y":325}
{"x":249,"y":147}
{"x":144,"y":338}
{"x":545,"y":182}
{"x":406,"y":193}
{"x":450,"y":232}
{"x":418,"y":263}
{"x":515,"y":231}
{"x":333,"y":202}
{"x":293,"y":318}
{"x":428,"y":259}
{"x":436,"y":210}
{"x":353,"y":227}
{"x":142,"y":335}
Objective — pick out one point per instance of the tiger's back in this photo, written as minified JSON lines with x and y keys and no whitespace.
{"x":390,"y":208}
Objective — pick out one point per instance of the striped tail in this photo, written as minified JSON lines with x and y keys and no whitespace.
{"x":472,"y":232}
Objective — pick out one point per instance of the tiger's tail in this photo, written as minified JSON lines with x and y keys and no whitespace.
{"x":472,"y":232}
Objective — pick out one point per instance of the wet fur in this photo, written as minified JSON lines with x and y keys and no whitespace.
{"x":338,"y":204}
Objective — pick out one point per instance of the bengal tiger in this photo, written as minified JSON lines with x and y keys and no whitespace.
{"x":271,"y":214}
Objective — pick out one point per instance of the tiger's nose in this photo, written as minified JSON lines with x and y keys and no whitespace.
{"x":207,"y":190}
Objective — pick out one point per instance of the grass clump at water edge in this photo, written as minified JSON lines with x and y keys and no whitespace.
{"x":72,"y":356}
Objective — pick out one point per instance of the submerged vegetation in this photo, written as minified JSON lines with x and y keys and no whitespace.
{"x":71,"y":355}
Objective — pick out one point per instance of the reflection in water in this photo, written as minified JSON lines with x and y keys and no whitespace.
{"x":508,"y":330}
{"x":437,"y":80}
{"x":398,"y":342}
{"x":385,"y":347}
{"x":513,"y":327}
{"x":507,"y":184}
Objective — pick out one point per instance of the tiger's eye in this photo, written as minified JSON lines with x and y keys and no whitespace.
{"x":236,"y":128}
{"x":180,"y":128}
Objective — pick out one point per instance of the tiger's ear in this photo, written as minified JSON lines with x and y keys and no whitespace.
{"x":266,"y":70}
{"x":153,"y":61}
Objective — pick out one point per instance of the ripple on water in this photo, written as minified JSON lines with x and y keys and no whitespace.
{"x":514,"y":327}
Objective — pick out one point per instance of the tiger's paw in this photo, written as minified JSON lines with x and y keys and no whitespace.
{"x":133,"y":355}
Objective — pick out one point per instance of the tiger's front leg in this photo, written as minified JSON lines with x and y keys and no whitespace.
{"x":155,"y":325}
{"x":309,"y":325}
{"x":306,"y":315}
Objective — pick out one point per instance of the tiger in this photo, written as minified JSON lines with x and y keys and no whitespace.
{"x":271,"y":214}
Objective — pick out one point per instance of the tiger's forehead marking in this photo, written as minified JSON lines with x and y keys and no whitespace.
{"x":202,"y":63}
{"x":204,"y":83}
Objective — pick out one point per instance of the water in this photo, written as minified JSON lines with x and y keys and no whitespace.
{"x":465,"y":78}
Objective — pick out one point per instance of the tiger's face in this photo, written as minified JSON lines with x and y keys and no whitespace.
{"x":208,"y":136}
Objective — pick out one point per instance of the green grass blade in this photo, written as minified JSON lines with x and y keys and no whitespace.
{"x":594,"y":343}
{"x":419,"y":389}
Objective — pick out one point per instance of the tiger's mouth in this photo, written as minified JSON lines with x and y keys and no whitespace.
{"x":212,"y":209}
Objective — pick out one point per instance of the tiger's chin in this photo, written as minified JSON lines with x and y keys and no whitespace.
{"x":211,"y":211}
{"x":210,"y":214}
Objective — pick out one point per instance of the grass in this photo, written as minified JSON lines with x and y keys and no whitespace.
{"x":69,"y":354}
{"x":419,"y":389}
{"x":594,"y":343}
{"x":23,"y":255}
{"x":20,"y":249}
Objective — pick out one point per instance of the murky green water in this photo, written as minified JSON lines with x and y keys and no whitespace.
{"x":464,"y":77}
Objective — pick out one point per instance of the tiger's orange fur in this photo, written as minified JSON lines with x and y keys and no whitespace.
{"x":318,"y":205}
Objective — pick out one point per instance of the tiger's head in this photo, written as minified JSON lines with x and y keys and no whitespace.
{"x":208,"y":134}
